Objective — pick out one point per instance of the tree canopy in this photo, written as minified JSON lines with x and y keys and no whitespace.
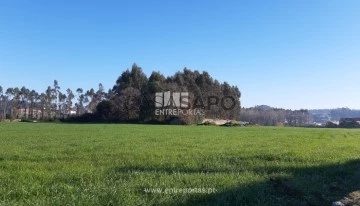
{"x":132,"y":98}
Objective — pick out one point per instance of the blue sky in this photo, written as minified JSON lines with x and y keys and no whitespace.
{"x":290,"y":54}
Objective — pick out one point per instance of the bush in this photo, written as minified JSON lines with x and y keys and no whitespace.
{"x":330,"y":125}
{"x":85,"y":118}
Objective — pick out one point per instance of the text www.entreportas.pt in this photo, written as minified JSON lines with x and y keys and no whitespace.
{"x":180,"y":190}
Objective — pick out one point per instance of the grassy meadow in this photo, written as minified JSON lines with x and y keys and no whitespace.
{"x":118,"y":164}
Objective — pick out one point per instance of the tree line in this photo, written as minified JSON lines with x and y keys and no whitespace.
{"x":268,"y":116}
{"x":133,"y":96}
{"x":131,"y":99}
{"x":25,"y":103}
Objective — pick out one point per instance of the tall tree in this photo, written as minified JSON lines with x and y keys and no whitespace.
{"x":62,"y":104}
{"x":16,"y":102}
{"x":10,"y":92}
{"x":14,"y":98}
{"x":92,"y":98}
{"x":69,"y":99}
{"x":5,"y":104}
{"x":80,"y":104}
{"x":42,"y":98}
{"x":135,"y":78}
{"x":55,"y":97}
{"x":100,"y":93}
{"x":24,"y":95}
{"x":129,"y":88}
{"x":156,"y":82}
{"x":49,"y":97}
{"x":110,"y":94}
{"x":33,"y":97}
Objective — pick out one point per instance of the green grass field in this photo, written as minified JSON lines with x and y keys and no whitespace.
{"x":115,"y":164}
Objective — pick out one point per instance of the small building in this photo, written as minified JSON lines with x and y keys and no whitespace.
{"x":350,"y":122}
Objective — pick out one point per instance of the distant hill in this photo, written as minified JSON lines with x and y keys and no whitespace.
{"x":319,"y":116}
{"x":263,"y":107}
{"x":336,"y":114}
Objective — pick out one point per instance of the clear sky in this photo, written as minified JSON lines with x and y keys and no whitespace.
{"x":291,"y":54}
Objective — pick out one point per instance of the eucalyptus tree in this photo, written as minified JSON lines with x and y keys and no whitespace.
{"x":100,"y":93}
{"x":156,"y":82}
{"x":33,"y":97}
{"x":10,"y":95}
{"x":16,"y":102}
{"x":24,"y":95}
{"x":91,"y":96}
{"x":69,"y":101}
{"x":49,"y":98}
{"x":4,"y":104}
{"x":55,"y":97}
{"x":110,"y":94}
{"x":42,"y":98}
{"x":80,"y":104}
{"x":61,"y":104}
{"x":135,"y":78}
{"x":128,"y":91}
{"x":94,"y":98}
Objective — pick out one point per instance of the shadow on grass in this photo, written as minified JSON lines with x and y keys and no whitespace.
{"x":306,"y":186}
{"x":320,"y":185}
